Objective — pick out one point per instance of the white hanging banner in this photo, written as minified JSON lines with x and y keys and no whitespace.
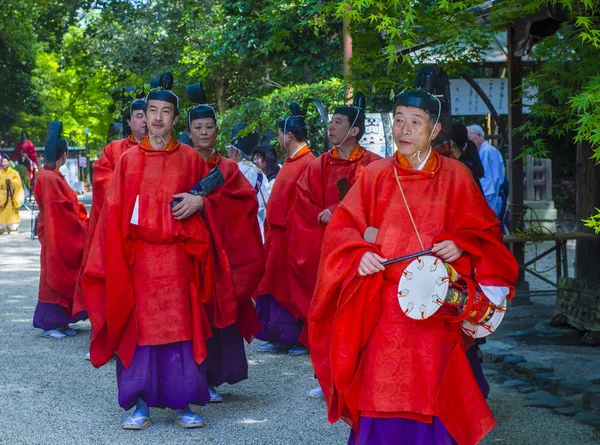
{"x":466,"y":102}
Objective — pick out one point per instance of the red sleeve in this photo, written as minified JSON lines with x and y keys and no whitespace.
{"x":275,"y":281}
{"x":237,"y":245}
{"x":305,"y":236}
{"x":62,"y":227}
{"x":106,"y":282}
{"x":335,"y":336}
{"x":103,"y":171}
{"x":476,"y":229}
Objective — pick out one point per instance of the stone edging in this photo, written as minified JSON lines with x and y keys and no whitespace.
{"x":579,"y":398}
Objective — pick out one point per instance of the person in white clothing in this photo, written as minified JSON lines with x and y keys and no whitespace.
{"x":240,"y":150}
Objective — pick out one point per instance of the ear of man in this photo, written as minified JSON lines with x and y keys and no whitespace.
{"x":436,"y":131}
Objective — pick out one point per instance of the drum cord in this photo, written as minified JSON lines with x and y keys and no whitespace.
{"x":408,"y":209}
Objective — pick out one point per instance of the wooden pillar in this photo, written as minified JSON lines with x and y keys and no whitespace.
{"x":515,"y":166}
{"x":587,"y":258}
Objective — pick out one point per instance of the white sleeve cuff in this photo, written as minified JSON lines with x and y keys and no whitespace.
{"x":496,"y":294}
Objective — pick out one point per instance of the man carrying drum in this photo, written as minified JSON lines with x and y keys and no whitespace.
{"x":389,"y":339}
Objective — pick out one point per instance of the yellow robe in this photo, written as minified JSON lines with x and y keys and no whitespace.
{"x":9,"y":208}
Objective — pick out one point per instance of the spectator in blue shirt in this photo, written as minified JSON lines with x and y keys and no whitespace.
{"x":493,"y":167}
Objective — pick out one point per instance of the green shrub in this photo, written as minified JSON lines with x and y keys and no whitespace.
{"x":264,"y":113}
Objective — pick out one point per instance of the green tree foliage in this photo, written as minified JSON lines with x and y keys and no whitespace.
{"x":568,"y":83}
{"x":27,"y":27}
{"x":70,"y":59}
{"x":246,"y":49}
{"x":264,"y":113}
{"x":383,"y":33}
{"x":18,"y":48}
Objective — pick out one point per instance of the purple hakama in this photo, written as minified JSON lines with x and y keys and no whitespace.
{"x":226,"y":361}
{"x":278,"y":325}
{"x":49,"y":316}
{"x":477,"y":370}
{"x":402,"y":431}
{"x":399,"y":431}
{"x":164,"y":376}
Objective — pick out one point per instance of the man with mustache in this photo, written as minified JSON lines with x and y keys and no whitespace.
{"x":149,"y":274}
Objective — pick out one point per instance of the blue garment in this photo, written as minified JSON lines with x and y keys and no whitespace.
{"x":493,"y":175}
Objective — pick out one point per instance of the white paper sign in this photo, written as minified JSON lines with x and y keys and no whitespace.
{"x":466,"y":102}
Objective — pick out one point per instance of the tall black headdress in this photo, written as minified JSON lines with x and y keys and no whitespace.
{"x":356,"y":114}
{"x":294,"y":120}
{"x":246,"y":144}
{"x":163,"y":91}
{"x":197,"y":95}
{"x":435,"y":81}
{"x":55,"y":145}
{"x":267,"y":139}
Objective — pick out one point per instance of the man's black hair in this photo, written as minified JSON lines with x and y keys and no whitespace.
{"x":299,"y":133}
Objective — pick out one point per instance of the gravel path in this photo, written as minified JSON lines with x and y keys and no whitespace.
{"x":50,"y":394}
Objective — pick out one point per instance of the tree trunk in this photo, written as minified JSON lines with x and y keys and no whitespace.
{"x":515,"y":166}
{"x":587,"y":258}
{"x":220,"y":92}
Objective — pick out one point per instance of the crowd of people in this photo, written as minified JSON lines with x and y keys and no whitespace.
{"x":186,"y":254}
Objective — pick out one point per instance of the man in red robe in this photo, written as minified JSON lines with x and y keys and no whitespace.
{"x":26,"y":148}
{"x":230,"y":214}
{"x":318,"y":194}
{"x":103,"y":170}
{"x":281,"y":325}
{"x":148,"y":275}
{"x":393,"y":378}
{"x":61,"y":229}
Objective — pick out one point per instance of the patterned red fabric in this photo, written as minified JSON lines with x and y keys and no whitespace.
{"x":103,"y":170}
{"x":237,"y":243}
{"x":61,"y":230}
{"x":368,"y":356}
{"x":146,"y":283}
{"x":316,"y":191}
{"x":275,"y":281}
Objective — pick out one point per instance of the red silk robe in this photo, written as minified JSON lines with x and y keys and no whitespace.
{"x":146,"y":281}
{"x":230,"y":213}
{"x":61,"y":231}
{"x":317,"y":190}
{"x":275,"y":281}
{"x":369,"y":357}
{"x":103,"y":170}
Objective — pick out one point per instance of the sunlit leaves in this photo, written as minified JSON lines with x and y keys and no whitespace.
{"x":593,"y":221}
